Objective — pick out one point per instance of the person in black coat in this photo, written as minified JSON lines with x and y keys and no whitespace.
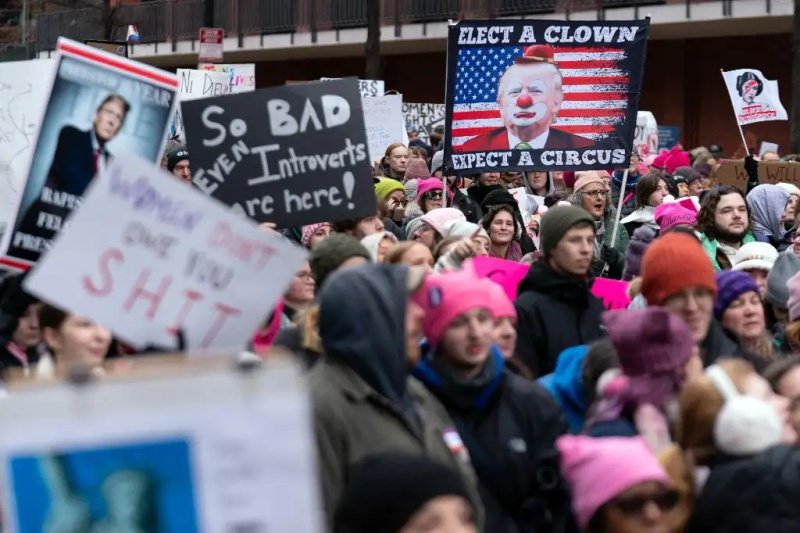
{"x":503,"y":197}
{"x":555,"y":307}
{"x":508,"y":424}
{"x":756,"y":495}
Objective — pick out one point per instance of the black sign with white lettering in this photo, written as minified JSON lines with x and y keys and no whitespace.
{"x":542,"y":94}
{"x":291,"y":155}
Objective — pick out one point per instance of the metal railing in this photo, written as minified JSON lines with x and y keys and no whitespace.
{"x":173,"y":20}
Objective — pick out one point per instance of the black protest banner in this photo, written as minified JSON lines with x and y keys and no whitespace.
{"x":542,"y":94}
{"x":425,"y":117}
{"x":291,"y":155}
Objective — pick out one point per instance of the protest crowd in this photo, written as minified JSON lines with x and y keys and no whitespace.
{"x":600,"y":351}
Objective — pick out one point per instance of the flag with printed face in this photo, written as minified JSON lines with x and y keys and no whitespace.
{"x":542,"y":94}
{"x":754,"y":97}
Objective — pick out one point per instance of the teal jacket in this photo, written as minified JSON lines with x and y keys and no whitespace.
{"x":711,"y":248}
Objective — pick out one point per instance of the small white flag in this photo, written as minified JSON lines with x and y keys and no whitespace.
{"x":754,"y":98}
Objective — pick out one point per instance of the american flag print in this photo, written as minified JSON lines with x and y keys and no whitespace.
{"x":595,"y":83}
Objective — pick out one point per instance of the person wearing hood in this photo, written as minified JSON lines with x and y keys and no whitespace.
{"x":509,"y":425}
{"x":503,"y":197}
{"x":378,"y":244}
{"x":538,"y":185}
{"x":461,"y":200}
{"x":767,"y":203}
{"x":363,"y":399}
{"x":591,"y":195}
{"x":555,"y":306}
{"x":651,"y":190}
{"x":777,"y":298}
{"x":689,"y":292}
{"x":483,"y":184}
{"x":395,"y":492}
{"x":723,"y":223}
{"x":629,"y":198}
{"x":565,"y":386}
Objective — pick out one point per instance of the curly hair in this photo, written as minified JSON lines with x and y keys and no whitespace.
{"x":708,"y":208}
{"x":487,"y":219}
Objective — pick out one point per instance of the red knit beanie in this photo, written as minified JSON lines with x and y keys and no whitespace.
{"x":673,"y":263}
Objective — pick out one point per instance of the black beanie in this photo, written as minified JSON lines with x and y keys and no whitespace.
{"x":498,"y":196}
{"x":175,"y":156}
{"x":330,"y":253}
{"x":386,"y":490}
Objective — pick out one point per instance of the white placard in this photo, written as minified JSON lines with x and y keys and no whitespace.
{"x":195,"y":84}
{"x":520,"y":194}
{"x":24,"y":87}
{"x":367,"y":88}
{"x":146,"y":255}
{"x":241,"y":76}
{"x":425,"y":117}
{"x":210,"y":450}
{"x":754,"y":97}
{"x":383,"y":120}
{"x":767,"y":147}
{"x":645,"y":138}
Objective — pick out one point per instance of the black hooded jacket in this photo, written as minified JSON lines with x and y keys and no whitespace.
{"x":500,"y":196}
{"x":754,"y":495}
{"x":554,"y":312}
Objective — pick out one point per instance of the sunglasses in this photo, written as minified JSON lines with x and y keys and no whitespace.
{"x":633,"y":507}
{"x":433,"y":195}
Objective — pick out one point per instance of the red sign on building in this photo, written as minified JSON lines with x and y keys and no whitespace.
{"x":210,"y":49}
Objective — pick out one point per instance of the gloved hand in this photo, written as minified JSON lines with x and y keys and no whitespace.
{"x":751,"y":166}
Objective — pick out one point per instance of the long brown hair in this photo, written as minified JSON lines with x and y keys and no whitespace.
{"x":647,"y":185}
{"x":708,"y":208}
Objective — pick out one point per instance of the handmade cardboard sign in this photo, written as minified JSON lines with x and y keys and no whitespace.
{"x":732,"y":172}
{"x":205,"y":450}
{"x":147,"y":257}
{"x":291,"y":155}
{"x":241,"y":76}
{"x":100,"y":105}
{"x":383,"y":119}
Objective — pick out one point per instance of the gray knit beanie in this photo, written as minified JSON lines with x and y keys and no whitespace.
{"x":330,"y":253}
{"x":786,"y":265}
{"x":558,"y":221}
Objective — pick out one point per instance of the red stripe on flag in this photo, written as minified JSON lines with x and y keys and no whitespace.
{"x":588,"y":97}
{"x":588,"y":64}
{"x":594,"y":80}
{"x":572,"y":113}
{"x":476,"y":115}
{"x":594,"y":128}
{"x":584,"y":50}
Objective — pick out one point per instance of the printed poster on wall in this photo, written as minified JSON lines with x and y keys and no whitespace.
{"x":100,"y":105}
{"x":542,"y":94}
{"x":292,"y":155}
{"x":150,"y":453}
{"x":147,"y":256}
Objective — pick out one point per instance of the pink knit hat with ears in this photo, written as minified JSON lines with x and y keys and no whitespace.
{"x":500,"y":303}
{"x":600,"y":469}
{"x":308,"y":232}
{"x":445,"y":296}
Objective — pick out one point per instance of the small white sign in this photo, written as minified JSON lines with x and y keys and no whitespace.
{"x":383,"y":120}
{"x":204,"y":450}
{"x":147,"y":256}
{"x":241,"y":76}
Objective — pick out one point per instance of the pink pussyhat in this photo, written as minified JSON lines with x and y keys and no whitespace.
{"x":671,"y":214}
{"x":500,"y":303}
{"x":445,"y":296}
{"x":600,"y":469}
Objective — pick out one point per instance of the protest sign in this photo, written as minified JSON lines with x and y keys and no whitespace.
{"x":241,"y":76}
{"x":613,"y":292}
{"x":147,"y":256}
{"x":767,"y":147}
{"x":206,"y":449}
{"x":754,"y":98}
{"x":383,"y":120}
{"x":100,"y":105}
{"x":668,"y":136}
{"x":196,"y":84}
{"x":645,"y":139}
{"x":425,"y":117}
{"x":542,"y":94}
{"x":507,"y":274}
{"x":23,"y":96}
{"x":520,"y":194}
{"x":732,"y":172}
{"x":291,"y":155}
{"x":366,"y":88}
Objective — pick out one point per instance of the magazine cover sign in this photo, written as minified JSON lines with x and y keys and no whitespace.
{"x":542,"y":94}
{"x":100,"y":106}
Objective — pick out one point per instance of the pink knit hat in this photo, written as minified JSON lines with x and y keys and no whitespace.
{"x":590,"y":176}
{"x":308,"y":232}
{"x":671,"y":214}
{"x":501,"y":304}
{"x":676,"y":158}
{"x":425,"y":185}
{"x":794,"y":297}
{"x":598,"y":470}
{"x":417,"y":169}
{"x":445,"y":296}
{"x":442,"y":218}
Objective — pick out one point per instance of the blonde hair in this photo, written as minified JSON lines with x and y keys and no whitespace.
{"x":699,"y":403}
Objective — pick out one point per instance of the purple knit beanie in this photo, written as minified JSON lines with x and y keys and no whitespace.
{"x":730,"y":285}
{"x":649,"y":342}
{"x":640,"y":240}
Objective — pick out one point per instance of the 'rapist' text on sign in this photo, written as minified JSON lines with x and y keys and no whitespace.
{"x":147,"y":257}
{"x":542,"y":94}
{"x":291,"y":155}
